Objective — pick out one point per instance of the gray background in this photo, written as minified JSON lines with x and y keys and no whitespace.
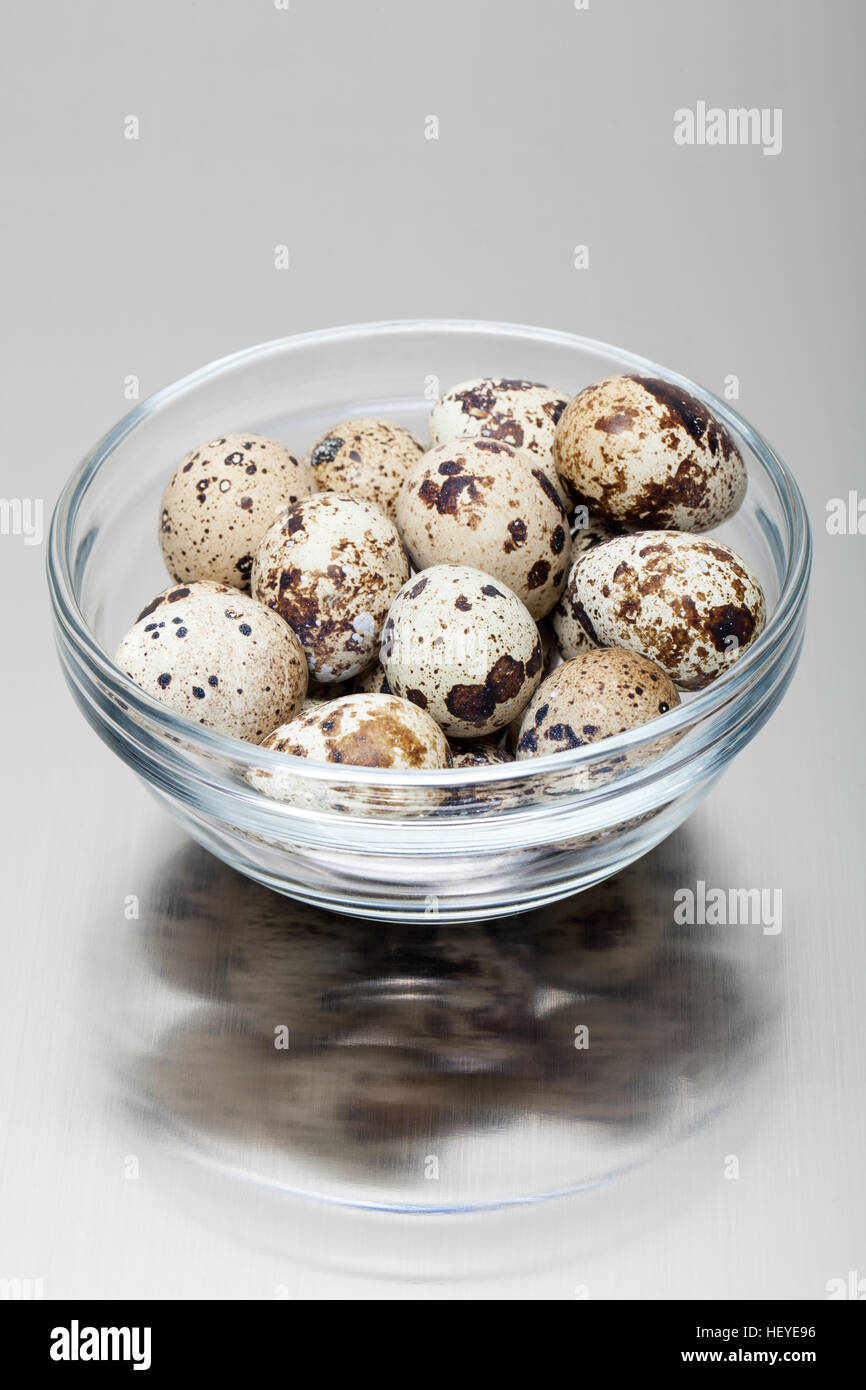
{"x":260,"y":127}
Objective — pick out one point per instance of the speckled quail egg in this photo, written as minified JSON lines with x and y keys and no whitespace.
{"x":331,"y":567}
{"x":687,"y":602}
{"x":481,"y":754}
{"x":521,"y":413}
{"x":381,"y":731}
{"x":571,"y":636}
{"x":220,"y":501}
{"x":551,"y":657}
{"x":481,"y":503}
{"x":463,"y":647}
{"x":365,"y":731}
{"x":640,"y":451}
{"x":588,"y":531}
{"x":318,"y":694}
{"x":373,"y":681}
{"x":218,"y":657}
{"x":365,"y":458}
{"x":592,"y":697}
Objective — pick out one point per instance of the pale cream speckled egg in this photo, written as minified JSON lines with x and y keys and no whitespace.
{"x":220,"y":501}
{"x":592,"y":697}
{"x":462,"y":646}
{"x":643,"y":452}
{"x":521,"y":413}
{"x":216,"y":656}
{"x":365,"y":458}
{"x":482,"y":503}
{"x":365,"y":731}
{"x":687,"y":602}
{"x":331,"y":567}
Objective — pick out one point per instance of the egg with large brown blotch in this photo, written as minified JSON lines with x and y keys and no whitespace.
{"x":331,"y":568}
{"x":365,"y":731}
{"x":643,"y":452}
{"x":462,"y":646}
{"x":221,"y":499}
{"x":687,"y":602}
{"x":594,"y":696}
{"x":216,"y":656}
{"x":480,"y":502}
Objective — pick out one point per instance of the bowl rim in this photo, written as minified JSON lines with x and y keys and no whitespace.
{"x":226,"y":748}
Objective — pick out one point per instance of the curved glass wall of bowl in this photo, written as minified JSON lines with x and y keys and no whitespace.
{"x":461,"y":843}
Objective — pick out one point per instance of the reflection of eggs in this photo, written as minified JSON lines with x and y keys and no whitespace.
{"x":687,"y":602}
{"x":643,"y":452}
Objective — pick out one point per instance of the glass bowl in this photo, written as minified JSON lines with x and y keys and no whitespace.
{"x":459,"y":844}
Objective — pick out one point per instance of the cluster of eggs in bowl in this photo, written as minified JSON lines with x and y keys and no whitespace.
{"x":538,"y":579}
{"x":459,"y":660}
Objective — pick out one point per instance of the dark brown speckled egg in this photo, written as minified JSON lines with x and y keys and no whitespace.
{"x":640,"y":451}
{"x":687,"y":602}
{"x":332,"y":567}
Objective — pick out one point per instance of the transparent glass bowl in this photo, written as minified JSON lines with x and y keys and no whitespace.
{"x":459,"y":844}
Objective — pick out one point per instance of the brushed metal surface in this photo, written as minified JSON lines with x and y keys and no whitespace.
{"x":154,"y":1141}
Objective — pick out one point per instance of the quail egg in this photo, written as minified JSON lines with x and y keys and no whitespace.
{"x":215,"y":655}
{"x":592,"y":697}
{"x":687,"y":602}
{"x":219,"y":502}
{"x":482,"y":503}
{"x":588,"y":531}
{"x":373,"y":681}
{"x":551,"y":657}
{"x":571,"y":636}
{"x":643,"y":452}
{"x":331,"y":567}
{"x":462,"y":646}
{"x":365,"y":458}
{"x":482,"y":754}
{"x":521,"y":413}
{"x":365,"y":731}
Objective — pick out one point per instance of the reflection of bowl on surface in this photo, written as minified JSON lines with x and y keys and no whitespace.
{"x":433,"y":1039}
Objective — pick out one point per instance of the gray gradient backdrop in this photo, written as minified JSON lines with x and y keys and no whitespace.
{"x":306,"y":127}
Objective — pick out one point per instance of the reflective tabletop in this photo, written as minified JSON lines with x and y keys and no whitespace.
{"x":653,"y":1090}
